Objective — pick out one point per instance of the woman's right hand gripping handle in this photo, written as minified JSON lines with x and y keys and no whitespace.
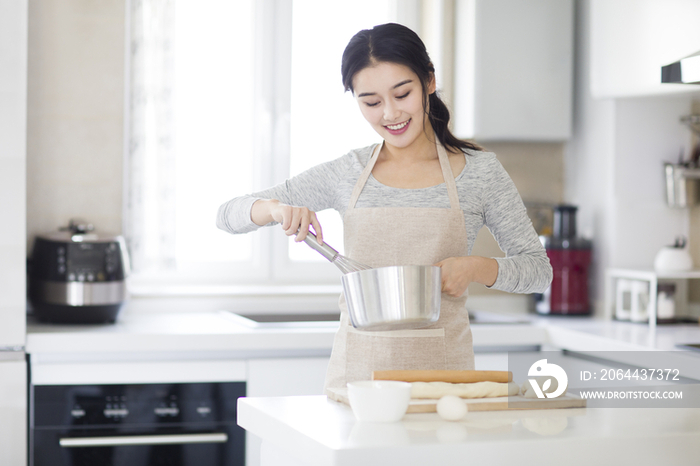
{"x":294,"y":220}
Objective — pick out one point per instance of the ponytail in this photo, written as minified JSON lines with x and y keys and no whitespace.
{"x":439,"y":117}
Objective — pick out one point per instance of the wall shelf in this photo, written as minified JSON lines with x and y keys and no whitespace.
{"x":648,"y":275}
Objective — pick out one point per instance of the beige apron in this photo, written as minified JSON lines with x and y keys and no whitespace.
{"x":385,"y":236}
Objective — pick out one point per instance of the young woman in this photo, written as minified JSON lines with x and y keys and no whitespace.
{"x":419,"y":198}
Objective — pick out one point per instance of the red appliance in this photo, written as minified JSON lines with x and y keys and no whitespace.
{"x":570,"y":258}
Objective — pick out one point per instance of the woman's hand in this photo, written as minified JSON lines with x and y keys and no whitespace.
{"x":458,"y":272}
{"x":293,"y":219}
{"x":296,"y":220}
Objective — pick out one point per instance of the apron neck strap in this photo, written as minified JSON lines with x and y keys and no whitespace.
{"x":364,"y":176}
{"x":444,"y":165}
{"x":448,"y":175}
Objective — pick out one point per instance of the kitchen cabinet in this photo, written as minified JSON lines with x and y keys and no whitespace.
{"x":630,"y":40}
{"x":491,"y":361}
{"x":282,"y":377}
{"x":286,"y":376}
{"x":514,"y":69}
{"x":13,"y":409}
{"x":13,"y":149}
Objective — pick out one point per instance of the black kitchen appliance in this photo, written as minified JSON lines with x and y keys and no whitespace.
{"x":179,"y":424}
{"x":78,"y":276}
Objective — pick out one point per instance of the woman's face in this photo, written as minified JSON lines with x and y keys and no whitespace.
{"x":390,"y":97}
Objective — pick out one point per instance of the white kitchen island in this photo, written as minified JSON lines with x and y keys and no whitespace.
{"x":315,"y":431}
{"x":277,"y":362}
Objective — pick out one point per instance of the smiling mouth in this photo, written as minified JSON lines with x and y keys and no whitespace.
{"x":399,"y":126}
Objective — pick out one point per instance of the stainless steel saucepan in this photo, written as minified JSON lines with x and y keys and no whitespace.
{"x":387,"y":298}
{"x":393,"y":298}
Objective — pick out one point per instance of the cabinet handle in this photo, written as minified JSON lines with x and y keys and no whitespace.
{"x":73,"y":442}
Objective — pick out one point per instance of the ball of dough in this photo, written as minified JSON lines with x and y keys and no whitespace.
{"x":451,"y":408}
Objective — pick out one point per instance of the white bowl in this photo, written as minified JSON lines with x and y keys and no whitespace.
{"x":379,"y":400}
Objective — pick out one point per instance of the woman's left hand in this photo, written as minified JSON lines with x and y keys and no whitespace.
{"x":458,"y":272}
{"x":456,"y":275}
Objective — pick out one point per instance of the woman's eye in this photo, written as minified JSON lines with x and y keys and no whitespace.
{"x":403,"y":96}
{"x":371,"y":104}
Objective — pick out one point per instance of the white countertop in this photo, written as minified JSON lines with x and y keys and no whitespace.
{"x":217,"y":331}
{"x":597,"y":334}
{"x":217,"y":335}
{"x":176,"y":332}
{"x":317,"y":431}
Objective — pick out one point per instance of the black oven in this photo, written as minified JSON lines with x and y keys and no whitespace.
{"x":181,"y":424}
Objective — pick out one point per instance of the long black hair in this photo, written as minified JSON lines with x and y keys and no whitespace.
{"x":395,"y":43}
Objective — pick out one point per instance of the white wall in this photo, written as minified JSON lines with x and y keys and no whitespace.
{"x":647,"y":134}
{"x":614,"y":169}
{"x":75,"y":114}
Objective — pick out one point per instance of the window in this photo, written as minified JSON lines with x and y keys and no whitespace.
{"x":227,"y":98}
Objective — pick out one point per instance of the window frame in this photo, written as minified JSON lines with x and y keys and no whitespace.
{"x":270,"y":266}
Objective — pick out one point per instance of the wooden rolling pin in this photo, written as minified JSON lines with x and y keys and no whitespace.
{"x":444,"y":376}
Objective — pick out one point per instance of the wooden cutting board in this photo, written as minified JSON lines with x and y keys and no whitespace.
{"x":503,"y":403}
{"x":518,"y":402}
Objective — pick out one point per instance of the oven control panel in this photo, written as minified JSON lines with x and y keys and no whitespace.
{"x":87,"y":405}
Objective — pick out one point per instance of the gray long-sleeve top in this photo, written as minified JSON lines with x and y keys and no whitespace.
{"x":487,"y":196}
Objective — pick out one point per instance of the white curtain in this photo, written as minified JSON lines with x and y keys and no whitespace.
{"x":151,"y":238}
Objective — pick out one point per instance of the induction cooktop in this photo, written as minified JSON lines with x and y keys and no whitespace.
{"x":690,"y":346}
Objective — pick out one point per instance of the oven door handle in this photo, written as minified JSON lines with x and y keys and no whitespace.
{"x":175,"y":439}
